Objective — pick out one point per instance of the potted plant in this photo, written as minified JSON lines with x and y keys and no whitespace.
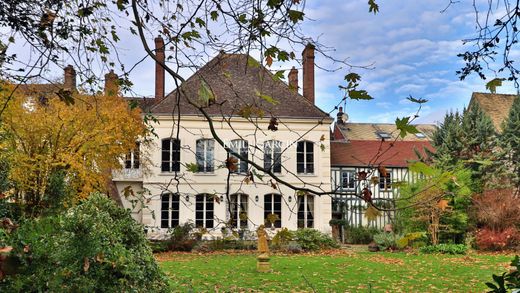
{"x":271,"y":219}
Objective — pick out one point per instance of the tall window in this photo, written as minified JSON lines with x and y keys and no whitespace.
{"x":305,"y":211}
{"x":238,"y":208}
{"x":273,"y":209}
{"x":205,"y":155}
{"x":348,"y":179}
{"x":386,"y":181}
{"x":273,"y":156}
{"x":169,"y":210}
{"x":132,"y":160}
{"x":240,"y":146}
{"x":171,"y":155}
{"x":204,"y":211}
{"x":305,"y":157}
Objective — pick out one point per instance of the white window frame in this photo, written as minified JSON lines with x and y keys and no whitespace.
{"x":385,"y":183}
{"x":171,"y":209}
{"x":240,"y":198}
{"x":243,"y":150}
{"x":206,"y":199}
{"x":305,"y":152}
{"x":306,"y":211}
{"x":273,"y":156}
{"x":172,"y":163}
{"x":351,"y":178}
{"x":208,"y":161}
{"x":271,"y":210}
{"x":133,"y":158}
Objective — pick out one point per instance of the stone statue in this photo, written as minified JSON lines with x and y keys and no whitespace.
{"x":262,"y":263}
{"x":263,"y":247}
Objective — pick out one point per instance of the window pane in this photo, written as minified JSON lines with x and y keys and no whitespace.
{"x":299,"y":147}
{"x":300,"y":168}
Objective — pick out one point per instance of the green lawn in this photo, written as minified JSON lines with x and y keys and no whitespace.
{"x":355,"y":272}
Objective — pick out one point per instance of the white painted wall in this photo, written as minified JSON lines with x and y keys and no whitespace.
{"x":193,"y":128}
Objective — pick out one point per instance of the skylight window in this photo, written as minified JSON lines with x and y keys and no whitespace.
{"x":420,"y":135}
{"x":384,"y":135}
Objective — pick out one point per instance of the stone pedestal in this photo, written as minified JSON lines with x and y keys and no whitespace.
{"x":262,"y":263}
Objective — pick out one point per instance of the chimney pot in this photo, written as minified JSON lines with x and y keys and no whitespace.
{"x":293,"y":79}
{"x":159,"y":70}
{"x":308,"y":72}
{"x":69,"y":80}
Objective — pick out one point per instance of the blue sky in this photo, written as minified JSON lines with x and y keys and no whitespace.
{"x":411,"y":46}
{"x":414,"y":51}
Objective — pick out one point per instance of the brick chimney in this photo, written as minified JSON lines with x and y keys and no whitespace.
{"x":111,"y":84}
{"x":339,"y":116}
{"x":293,"y":79}
{"x":69,"y":80}
{"x":308,"y":72}
{"x":159,"y":70}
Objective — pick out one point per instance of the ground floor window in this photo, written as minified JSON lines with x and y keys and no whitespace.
{"x":306,"y":211}
{"x":238,"y":209}
{"x":273,"y":210}
{"x":169,"y":210}
{"x":204,"y":211}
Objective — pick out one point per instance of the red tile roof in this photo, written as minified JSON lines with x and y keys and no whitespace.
{"x":364,"y":152}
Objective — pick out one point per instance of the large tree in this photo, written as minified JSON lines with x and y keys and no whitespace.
{"x":510,"y":141}
{"x":47,"y":142}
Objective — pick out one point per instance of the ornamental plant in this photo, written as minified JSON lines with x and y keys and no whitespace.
{"x":94,"y":247}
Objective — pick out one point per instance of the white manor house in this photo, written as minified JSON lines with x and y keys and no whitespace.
{"x":187,"y":179}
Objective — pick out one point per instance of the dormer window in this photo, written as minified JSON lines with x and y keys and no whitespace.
{"x":420,"y":135}
{"x":384,"y":135}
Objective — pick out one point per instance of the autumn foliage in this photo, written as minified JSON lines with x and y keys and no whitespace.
{"x":498,"y":213}
{"x":40,"y":134}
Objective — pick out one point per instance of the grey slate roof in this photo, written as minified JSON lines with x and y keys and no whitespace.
{"x":236,"y":81}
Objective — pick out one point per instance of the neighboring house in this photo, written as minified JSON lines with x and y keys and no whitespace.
{"x":364,"y":147}
{"x":176,"y":195}
{"x":496,"y":106}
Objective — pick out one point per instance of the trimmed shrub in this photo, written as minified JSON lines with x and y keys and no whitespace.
{"x":312,"y":240}
{"x":282,"y":238}
{"x":181,"y":238}
{"x":360,"y":235}
{"x":409,"y":239}
{"x":445,"y":249}
{"x":95,"y":247}
{"x":488,"y":239}
{"x":385,"y":240}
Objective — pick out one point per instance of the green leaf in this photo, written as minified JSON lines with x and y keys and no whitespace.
{"x":192,"y":167}
{"x":279,"y":75}
{"x":421,"y":168}
{"x":214,"y":15}
{"x":205,"y":93}
{"x":295,"y":15}
{"x":404,"y":126}
{"x":267,"y":98}
{"x":359,"y":95}
{"x":493,"y":84}
{"x":259,"y":176}
{"x":418,"y":101}
{"x":352,"y":77}
{"x":251,"y":62}
{"x":372,"y":6}
{"x":200,"y":22}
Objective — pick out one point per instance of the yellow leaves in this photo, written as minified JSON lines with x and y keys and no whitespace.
{"x":85,"y":139}
{"x":371,"y":213}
